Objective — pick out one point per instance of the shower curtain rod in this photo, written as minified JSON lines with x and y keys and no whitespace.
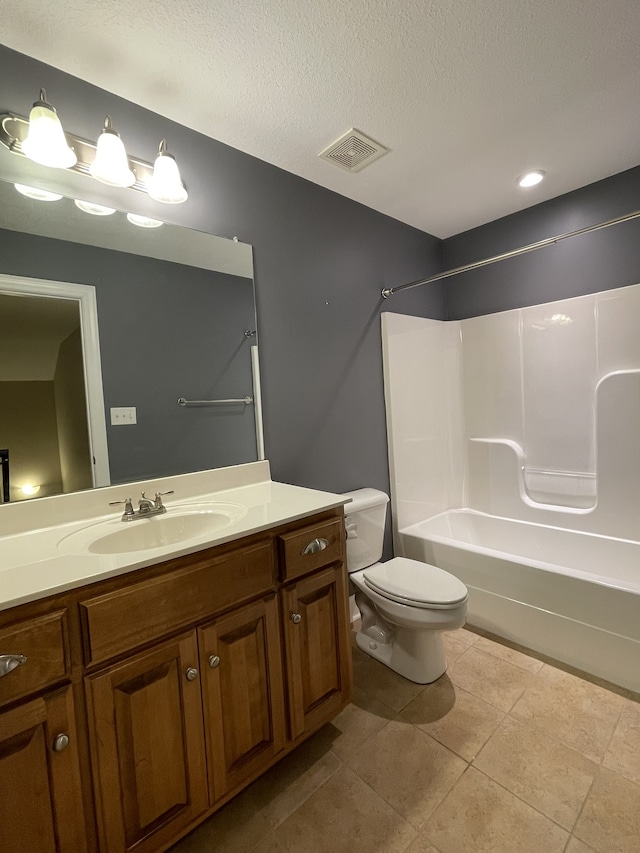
{"x":389,"y":291}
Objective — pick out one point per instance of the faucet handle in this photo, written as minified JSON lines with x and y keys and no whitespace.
{"x":160,"y":495}
{"x":128,"y":505}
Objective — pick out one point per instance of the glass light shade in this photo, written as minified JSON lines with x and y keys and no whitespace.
{"x":144,"y":221}
{"x":94,"y":209}
{"x":111,"y":165}
{"x":36,"y":193}
{"x":165,"y":184}
{"x":46,"y":143}
{"x":530,"y":179}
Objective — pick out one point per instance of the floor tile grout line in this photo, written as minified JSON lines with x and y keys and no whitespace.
{"x":554,"y":740}
{"x":362,"y":745}
{"x":504,"y":658}
{"x":613,"y":731}
{"x":524,"y":802}
{"x":446,"y":746}
{"x":368,"y":784}
{"x":332,"y":773}
{"x":535,"y":808}
{"x":391,"y":806}
{"x":559,"y":740}
{"x":583,"y":808}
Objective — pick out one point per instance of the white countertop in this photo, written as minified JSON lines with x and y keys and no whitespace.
{"x":34,"y":563}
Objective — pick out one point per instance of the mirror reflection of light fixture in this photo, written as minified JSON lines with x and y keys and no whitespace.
{"x":166,"y":184}
{"x":37,"y":194}
{"x":144,"y":221}
{"x":46,"y":143}
{"x":111,"y":165}
{"x":94,"y":209}
{"x":29,"y":490}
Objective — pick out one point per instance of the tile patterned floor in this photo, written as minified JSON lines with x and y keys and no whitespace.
{"x":503,"y":754}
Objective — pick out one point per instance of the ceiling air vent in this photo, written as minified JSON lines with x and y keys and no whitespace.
{"x":353,"y":151}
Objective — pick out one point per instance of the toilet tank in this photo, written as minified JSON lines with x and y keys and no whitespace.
{"x":365,"y":517}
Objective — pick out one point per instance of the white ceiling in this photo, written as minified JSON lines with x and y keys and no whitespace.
{"x":467,"y":94}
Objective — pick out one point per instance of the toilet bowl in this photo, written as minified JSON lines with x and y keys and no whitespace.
{"x":404,"y":604}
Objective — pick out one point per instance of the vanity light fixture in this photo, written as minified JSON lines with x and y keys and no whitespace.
{"x":94,"y":209}
{"x":530,"y":179}
{"x":111,"y":165}
{"x":42,"y":139}
{"x":37,"y":194}
{"x":45,"y":142}
{"x":144,"y":221}
{"x":166,"y":184}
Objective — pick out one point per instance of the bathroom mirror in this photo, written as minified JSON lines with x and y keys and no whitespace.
{"x":176,"y":319}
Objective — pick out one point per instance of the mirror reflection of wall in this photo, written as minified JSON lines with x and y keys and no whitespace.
{"x":43,"y":408}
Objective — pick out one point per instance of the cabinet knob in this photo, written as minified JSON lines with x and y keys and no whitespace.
{"x":191,"y":674}
{"x":296,"y":618}
{"x":9,"y":662}
{"x":315,"y":546}
{"x":214,"y":661}
{"x":61,"y":742}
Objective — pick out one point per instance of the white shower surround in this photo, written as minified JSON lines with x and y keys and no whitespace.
{"x":470,"y":405}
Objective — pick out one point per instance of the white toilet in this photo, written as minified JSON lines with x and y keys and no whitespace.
{"x":404,"y":604}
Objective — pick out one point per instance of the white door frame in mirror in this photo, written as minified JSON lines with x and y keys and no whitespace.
{"x":85,"y":296}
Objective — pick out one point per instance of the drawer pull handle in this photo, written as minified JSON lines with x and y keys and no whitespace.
{"x":61,"y":742}
{"x":315,"y":546}
{"x":10,"y":662}
{"x":296,"y":618}
{"x":214,"y":661}
{"x":191,"y":674}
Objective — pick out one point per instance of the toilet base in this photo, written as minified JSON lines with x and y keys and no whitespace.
{"x":414,"y":654}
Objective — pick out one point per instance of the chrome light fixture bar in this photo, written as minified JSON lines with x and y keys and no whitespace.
{"x":14,"y":130}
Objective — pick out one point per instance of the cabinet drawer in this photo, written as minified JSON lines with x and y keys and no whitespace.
{"x":116,"y":622}
{"x":311,"y":548}
{"x":42,"y":641}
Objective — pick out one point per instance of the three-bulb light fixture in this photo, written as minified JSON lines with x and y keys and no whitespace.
{"x":46,"y":143}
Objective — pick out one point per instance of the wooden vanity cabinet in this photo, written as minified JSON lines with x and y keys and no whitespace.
{"x":147,"y":746}
{"x":191,"y":678}
{"x":242,"y":692}
{"x":41,"y":802}
{"x":318,"y":657}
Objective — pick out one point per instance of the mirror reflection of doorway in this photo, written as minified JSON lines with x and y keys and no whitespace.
{"x":43,"y":405}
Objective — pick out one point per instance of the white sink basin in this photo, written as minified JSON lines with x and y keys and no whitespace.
{"x":179,"y":525}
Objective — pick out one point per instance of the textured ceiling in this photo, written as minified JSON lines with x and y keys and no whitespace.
{"x":467,"y":94}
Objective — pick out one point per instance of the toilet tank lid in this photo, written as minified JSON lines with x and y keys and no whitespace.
{"x":364,"y":499}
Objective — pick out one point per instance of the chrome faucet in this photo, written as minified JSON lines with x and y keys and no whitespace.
{"x":146,"y":506}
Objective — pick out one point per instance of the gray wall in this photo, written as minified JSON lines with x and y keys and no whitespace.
{"x":321,"y":261}
{"x":590,"y":263}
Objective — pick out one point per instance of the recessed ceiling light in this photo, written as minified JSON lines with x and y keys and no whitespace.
{"x":37,"y":194}
{"x":530,"y":179}
{"x":143,"y":221}
{"x":95,"y":209}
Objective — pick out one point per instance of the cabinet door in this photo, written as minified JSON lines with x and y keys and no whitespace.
{"x":145,"y":720}
{"x":243,"y":694}
{"x":41,"y":801}
{"x":317,"y":648}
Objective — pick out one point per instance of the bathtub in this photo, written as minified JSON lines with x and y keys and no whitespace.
{"x":570,"y":595}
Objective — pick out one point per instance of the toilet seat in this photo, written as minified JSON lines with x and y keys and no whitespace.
{"x":415,"y":584}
